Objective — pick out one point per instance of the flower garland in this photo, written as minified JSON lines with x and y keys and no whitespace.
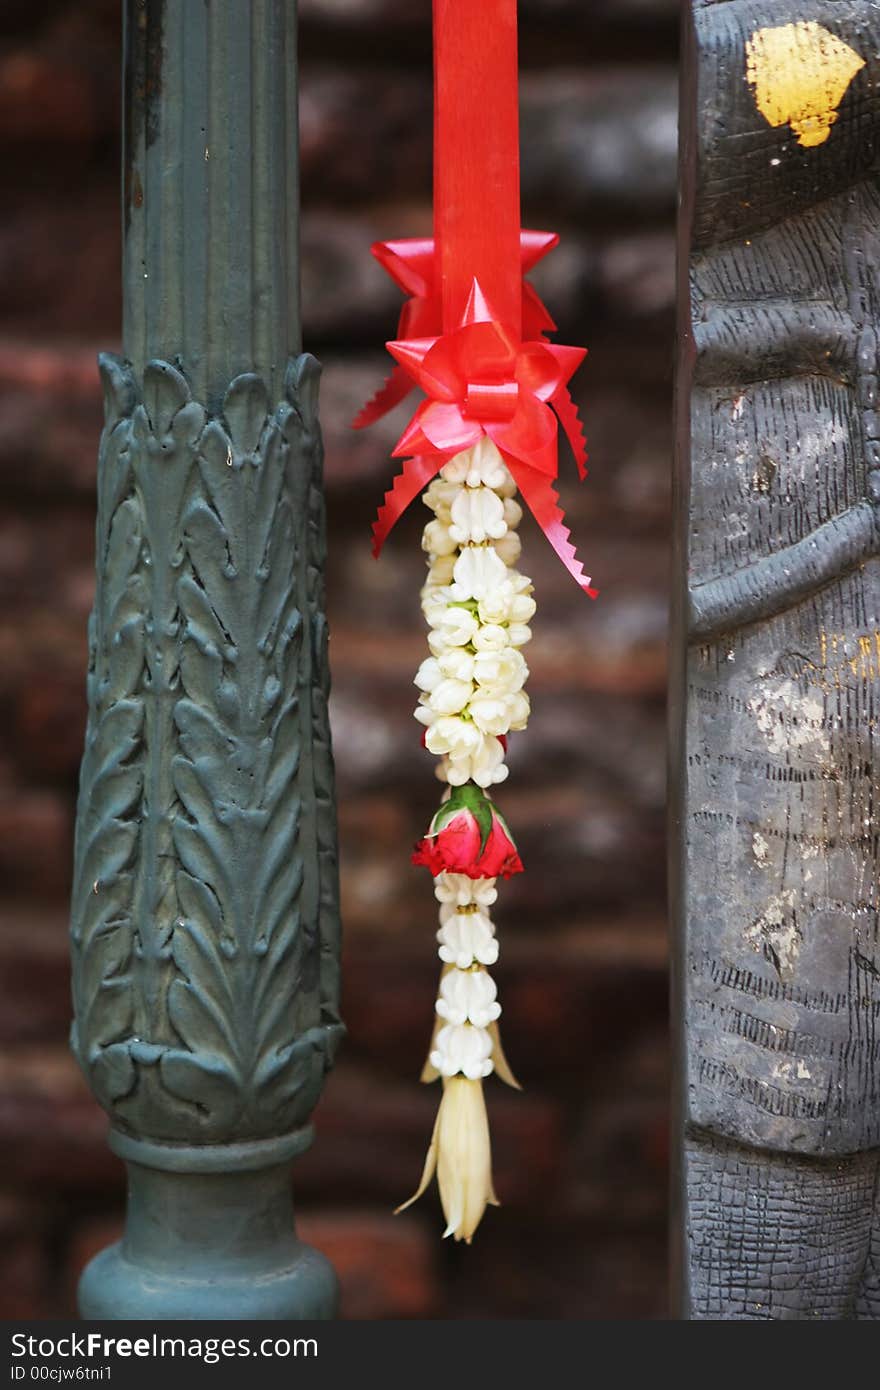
{"x":473,"y":338}
{"x":478,"y":607}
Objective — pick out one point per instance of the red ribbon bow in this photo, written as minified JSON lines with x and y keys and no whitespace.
{"x":411,"y":264}
{"x":481,"y":381}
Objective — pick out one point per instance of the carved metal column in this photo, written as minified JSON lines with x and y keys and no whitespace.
{"x":205,"y":917}
{"x":776,"y":680}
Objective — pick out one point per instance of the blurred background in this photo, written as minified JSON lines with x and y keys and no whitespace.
{"x":580,"y":1156}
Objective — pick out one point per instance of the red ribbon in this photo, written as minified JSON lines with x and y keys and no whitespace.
{"x":410,"y":264}
{"x":472,"y":332}
{"x":481,"y":382}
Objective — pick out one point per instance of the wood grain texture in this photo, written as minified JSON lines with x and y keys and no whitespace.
{"x":776,"y":891}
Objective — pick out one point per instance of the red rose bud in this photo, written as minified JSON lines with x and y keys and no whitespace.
{"x":468,"y":836}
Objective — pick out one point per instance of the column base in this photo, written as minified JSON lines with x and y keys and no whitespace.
{"x":112,"y":1288}
{"x":209,"y":1235}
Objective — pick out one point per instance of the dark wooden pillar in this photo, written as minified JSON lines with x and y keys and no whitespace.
{"x":775,"y":694}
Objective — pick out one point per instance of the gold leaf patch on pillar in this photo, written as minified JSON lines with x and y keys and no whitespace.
{"x":799,"y":74}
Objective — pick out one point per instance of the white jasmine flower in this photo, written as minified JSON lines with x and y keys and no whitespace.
{"x":489,"y":469}
{"x":461,"y":890}
{"x":450,"y":696}
{"x":508,"y":548}
{"x":486,"y":763}
{"x":435,"y":601}
{"x":438,"y":539}
{"x":466,"y":937}
{"x":468,"y":996}
{"x":519,"y":707}
{"x":456,"y":664}
{"x":490,"y":637}
{"x":494,"y":606}
{"x":461,"y":1155}
{"x":439,"y":496}
{"x":477,"y":515}
{"x":479,"y":571}
{"x":449,"y":734}
{"x":522,"y":608}
{"x":512,"y":512}
{"x":461,"y":1049}
{"x":518,"y":634}
{"x":479,"y":466}
{"x":500,"y":672}
{"x":490,"y":714}
{"x":456,"y":771}
{"x":428,"y":675}
{"x":457,"y":469}
{"x":440,"y":571}
{"x":507,"y":486}
{"x":455,"y":624}
{"x":437,"y":643}
{"x":424,"y":714}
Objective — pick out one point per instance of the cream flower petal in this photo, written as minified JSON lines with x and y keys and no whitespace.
{"x":464,"y":1158}
{"x":429,"y":1169}
{"x":502,"y":1066}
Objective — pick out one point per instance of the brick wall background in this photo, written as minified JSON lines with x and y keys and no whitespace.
{"x":580,"y":1156}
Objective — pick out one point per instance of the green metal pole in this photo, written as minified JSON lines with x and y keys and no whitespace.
{"x":205,"y":906}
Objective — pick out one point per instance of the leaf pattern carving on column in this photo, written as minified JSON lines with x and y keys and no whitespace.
{"x":219,"y":1033}
{"x":111,"y":777}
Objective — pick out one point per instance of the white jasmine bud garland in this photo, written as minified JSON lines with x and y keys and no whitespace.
{"x":477,"y":607}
